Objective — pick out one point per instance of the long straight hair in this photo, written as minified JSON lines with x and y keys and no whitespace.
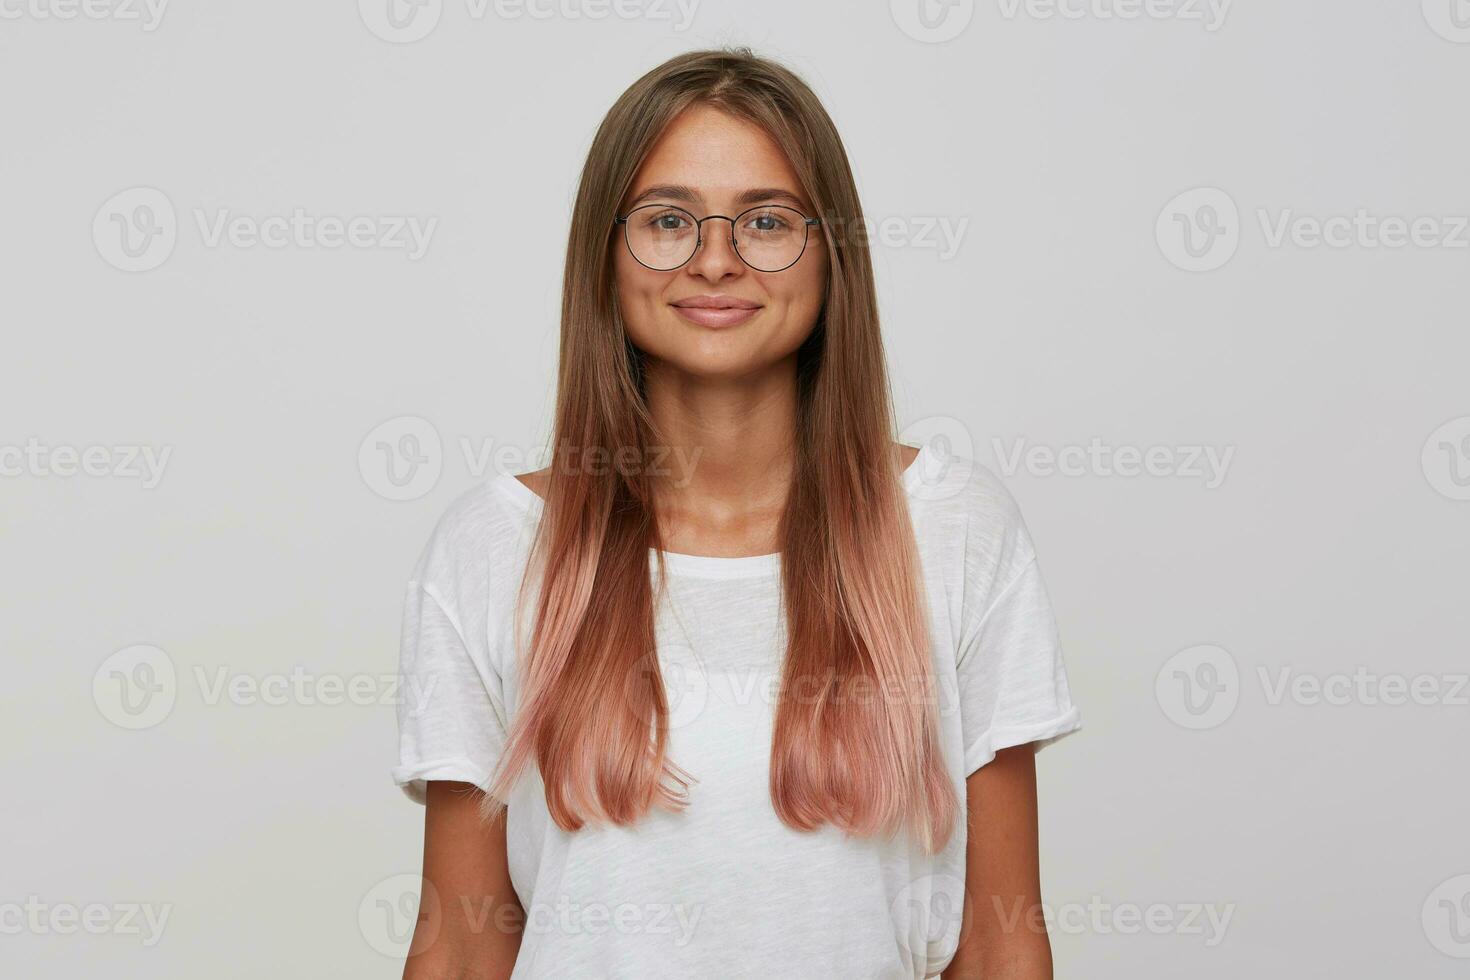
{"x":855,"y":740}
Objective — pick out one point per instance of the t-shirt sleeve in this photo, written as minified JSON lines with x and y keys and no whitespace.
{"x":451,"y":713}
{"x":1012,"y":679}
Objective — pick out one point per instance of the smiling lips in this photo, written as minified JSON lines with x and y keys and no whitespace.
{"x":716,"y":311}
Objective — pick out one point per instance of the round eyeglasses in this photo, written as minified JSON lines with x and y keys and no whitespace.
{"x":768,"y":238}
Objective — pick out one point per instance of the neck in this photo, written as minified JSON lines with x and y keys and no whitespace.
{"x":731,"y":443}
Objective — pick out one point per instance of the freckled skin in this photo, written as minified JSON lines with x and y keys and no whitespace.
{"x":719,"y":156}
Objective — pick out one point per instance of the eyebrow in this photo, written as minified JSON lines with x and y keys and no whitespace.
{"x":746,"y":198}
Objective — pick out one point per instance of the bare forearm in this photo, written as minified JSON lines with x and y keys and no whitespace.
{"x":454,"y":960}
{"x":1029,"y":959}
{"x":1019,"y":954}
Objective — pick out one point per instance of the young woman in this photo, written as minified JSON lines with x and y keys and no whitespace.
{"x":737,"y":686}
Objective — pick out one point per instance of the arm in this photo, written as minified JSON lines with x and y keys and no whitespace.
{"x":1004,"y":935}
{"x":473,"y":931}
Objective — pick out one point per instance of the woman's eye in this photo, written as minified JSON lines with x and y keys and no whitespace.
{"x":668,"y":221}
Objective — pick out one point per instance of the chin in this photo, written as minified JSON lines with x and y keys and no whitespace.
{"x":715,"y":366}
{"x":714,"y":356}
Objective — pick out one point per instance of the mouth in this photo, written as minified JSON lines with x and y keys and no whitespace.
{"x":716,"y":311}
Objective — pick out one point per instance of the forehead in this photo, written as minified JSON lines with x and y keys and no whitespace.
{"x":717,"y":156}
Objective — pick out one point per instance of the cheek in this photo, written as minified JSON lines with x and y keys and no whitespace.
{"x":625,"y":275}
{"x":638,"y":295}
{"x":807,"y":289}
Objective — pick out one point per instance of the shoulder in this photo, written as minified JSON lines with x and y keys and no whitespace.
{"x":950,"y":486}
{"x":962,"y":509}
{"x":475,"y":538}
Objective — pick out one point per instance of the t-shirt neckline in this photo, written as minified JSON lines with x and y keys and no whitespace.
{"x":705,"y":566}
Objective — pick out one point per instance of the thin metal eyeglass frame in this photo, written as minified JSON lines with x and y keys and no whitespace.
{"x":808,"y":224}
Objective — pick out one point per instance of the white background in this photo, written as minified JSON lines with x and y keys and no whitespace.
{"x":1336,"y":541}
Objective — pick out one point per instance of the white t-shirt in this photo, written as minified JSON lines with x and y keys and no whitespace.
{"x":724,"y":889}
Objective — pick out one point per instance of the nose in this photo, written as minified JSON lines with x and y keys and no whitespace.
{"x":715,"y":256}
